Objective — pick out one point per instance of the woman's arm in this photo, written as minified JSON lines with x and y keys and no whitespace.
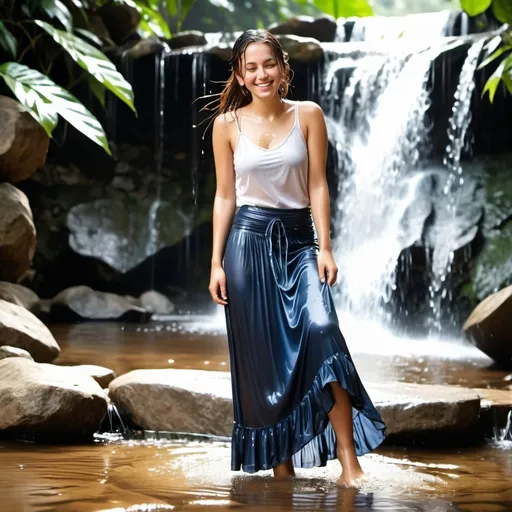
{"x":223,"y":206}
{"x":318,"y":189}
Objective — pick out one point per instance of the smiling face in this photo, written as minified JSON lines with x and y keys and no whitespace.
{"x":260,"y":72}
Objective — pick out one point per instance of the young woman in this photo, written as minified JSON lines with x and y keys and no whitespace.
{"x":297,"y":397}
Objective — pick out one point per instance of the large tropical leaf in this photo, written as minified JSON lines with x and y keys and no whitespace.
{"x":56,"y":9}
{"x":8,"y":41}
{"x":93,"y":61}
{"x":44,"y":99}
{"x":152,"y":18}
{"x":475,"y":7}
{"x":344,"y":8}
{"x":502,"y":9}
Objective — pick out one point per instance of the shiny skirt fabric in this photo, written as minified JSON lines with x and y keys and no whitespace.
{"x":286,"y":346}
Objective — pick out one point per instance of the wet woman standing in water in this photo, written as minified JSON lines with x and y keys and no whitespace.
{"x":297,"y":398}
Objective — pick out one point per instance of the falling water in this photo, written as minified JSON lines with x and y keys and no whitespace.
{"x":448,"y":232}
{"x":159,"y":120}
{"x":379,"y":136}
{"x":414,"y":26}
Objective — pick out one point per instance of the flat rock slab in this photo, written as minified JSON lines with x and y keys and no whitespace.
{"x":103,"y":376}
{"x":44,"y":400}
{"x":200,"y":401}
{"x":494,"y":398}
{"x":194,"y":401}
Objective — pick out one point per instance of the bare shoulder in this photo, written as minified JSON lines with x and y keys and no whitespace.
{"x":310,"y":109}
{"x":224,"y":120}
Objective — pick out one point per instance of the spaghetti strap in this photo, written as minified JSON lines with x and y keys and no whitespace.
{"x":237,"y":123}
{"x":296,"y":112}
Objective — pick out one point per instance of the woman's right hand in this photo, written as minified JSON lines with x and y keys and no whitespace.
{"x":217,"y":286}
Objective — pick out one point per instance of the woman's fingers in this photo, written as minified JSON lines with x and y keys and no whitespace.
{"x":218,"y":292}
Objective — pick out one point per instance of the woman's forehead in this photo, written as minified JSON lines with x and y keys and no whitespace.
{"x":256,"y":52}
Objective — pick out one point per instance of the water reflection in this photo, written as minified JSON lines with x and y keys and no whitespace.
{"x":379,"y":356}
{"x":185,"y":475}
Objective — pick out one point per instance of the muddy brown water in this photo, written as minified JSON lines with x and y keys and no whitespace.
{"x":122,"y":476}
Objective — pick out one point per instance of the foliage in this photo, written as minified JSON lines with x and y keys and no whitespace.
{"x":49,"y":47}
{"x":498,"y":46}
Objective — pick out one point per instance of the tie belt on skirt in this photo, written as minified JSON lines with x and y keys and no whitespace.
{"x":281,"y":226}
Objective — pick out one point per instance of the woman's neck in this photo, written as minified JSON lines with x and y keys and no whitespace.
{"x":268,"y":108}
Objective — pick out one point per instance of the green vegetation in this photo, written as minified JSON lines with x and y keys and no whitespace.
{"x":499,"y":46}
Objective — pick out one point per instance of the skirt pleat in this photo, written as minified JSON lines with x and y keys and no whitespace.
{"x":286,"y":346}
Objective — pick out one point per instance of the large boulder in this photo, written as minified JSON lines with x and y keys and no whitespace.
{"x":20,"y":328}
{"x":23,"y":142}
{"x":322,"y":28}
{"x":17,"y":233}
{"x":154,"y":302}
{"x":201,"y":401}
{"x":48,"y":401}
{"x":84,"y":303}
{"x":187,"y":38}
{"x":301,"y":49}
{"x":176,"y":400}
{"x":21,"y":296}
{"x":489,"y":327}
{"x":124,"y":233}
{"x":103,"y":376}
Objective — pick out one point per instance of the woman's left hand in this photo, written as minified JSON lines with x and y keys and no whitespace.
{"x":327,"y":267}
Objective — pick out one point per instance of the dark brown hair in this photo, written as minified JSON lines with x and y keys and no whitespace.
{"x":234,"y":96}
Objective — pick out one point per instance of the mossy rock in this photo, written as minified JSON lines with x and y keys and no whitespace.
{"x":492,"y":267}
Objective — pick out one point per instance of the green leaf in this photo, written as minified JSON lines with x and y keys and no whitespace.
{"x":90,"y":36}
{"x":492,"y":84}
{"x":172,"y":7}
{"x":502,"y":9}
{"x":98,"y":90}
{"x":93,"y":61}
{"x":56,"y":9}
{"x":507,"y":80}
{"x":475,"y":7}
{"x":344,"y":8}
{"x":44,"y":99}
{"x":153,"y":18}
{"x":495,"y":55}
{"x":8,"y":41}
{"x":185,"y":7}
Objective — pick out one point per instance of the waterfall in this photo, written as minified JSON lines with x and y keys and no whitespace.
{"x":376,"y":108}
{"x":378,"y":125}
{"x":447,"y":236}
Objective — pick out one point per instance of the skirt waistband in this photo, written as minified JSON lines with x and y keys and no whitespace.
{"x":258,"y":219}
{"x":277,"y":225}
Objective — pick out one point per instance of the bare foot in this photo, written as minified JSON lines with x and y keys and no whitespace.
{"x":355,"y":480}
{"x":284,"y":470}
{"x":352,"y":473}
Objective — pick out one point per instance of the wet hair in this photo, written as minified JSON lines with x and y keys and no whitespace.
{"x":234,"y":96}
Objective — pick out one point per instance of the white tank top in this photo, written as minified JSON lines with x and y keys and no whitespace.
{"x":274,"y":178}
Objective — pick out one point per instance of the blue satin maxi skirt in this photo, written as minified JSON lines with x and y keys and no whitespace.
{"x":286,"y":346}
